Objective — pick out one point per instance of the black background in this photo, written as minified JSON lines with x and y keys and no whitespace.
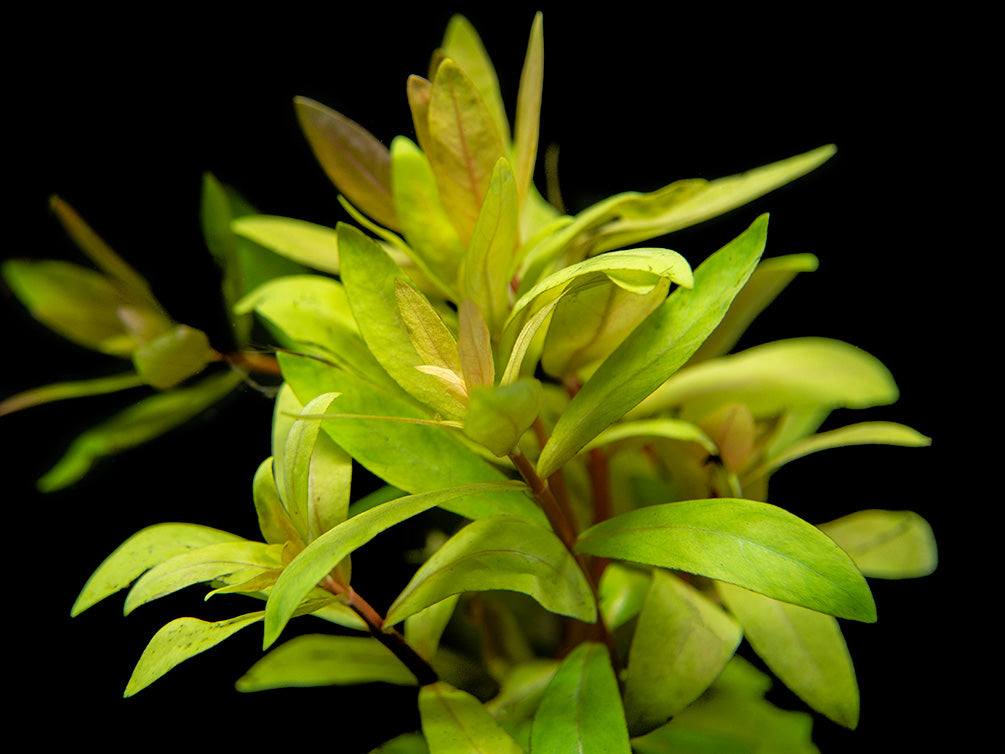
{"x":121,"y":113}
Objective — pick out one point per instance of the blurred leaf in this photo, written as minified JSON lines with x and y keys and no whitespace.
{"x":622,"y":592}
{"x":304,"y":242}
{"x":141,"y":551}
{"x":671,"y":429}
{"x":173,"y":357}
{"x":419,"y":91}
{"x":312,"y":565}
{"x":798,"y":374}
{"x":754,"y":545}
{"x":228,"y":562}
{"x":180,"y":640}
{"x":886,"y":544}
{"x":804,"y":648}
{"x":527,"y":124}
{"x":406,"y":743}
{"x":500,"y":552}
{"x":520,"y":694}
{"x":321,"y":660}
{"x":424,"y":629}
{"x":681,"y":644}
{"x":140,"y":423}
{"x":464,"y":145}
{"x":655,"y":349}
{"x":581,"y":709}
{"x":355,"y":161}
{"x":454,"y":722}
{"x":498,"y":415}
{"x":60,"y":391}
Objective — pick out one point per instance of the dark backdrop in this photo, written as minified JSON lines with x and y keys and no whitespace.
{"x":121,"y":114}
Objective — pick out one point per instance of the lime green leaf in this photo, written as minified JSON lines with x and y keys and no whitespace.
{"x":228,"y":562}
{"x":143,"y":550}
{"x":681,"y":644}
{"x":798,"y":374}
{"x":180,"y":640}
{"x":670,"y":429}
{"x":804,"y":648}
{"x":498,"y":415}
{"x":273,"y":520}
{"x":464,"y":145}
{"x":462,"y":44}
{"x":412,"y":457}
{"x":80,"y":304}
{"x":424,"y":629}
{"x":320,"y":660}
{"x":141,"y":422}
{"x":484,"y":275}
{"x":767,"y":281}
{"x":304,"y":242}
{"x":527,"y":125}
{"x":500,"y":552}
{"x":754,"y":545}
{"x":355,"y":161}
{"x":173,"y":357}
{"x":886,"y":544}
{"x":581,"y":709}
{"x":622,"y":592}
{"x":862,"y":433}
{"x":370,"y":276}
{"x":313,"y":564}
{"x":656,"y":348}
{"x":424,"y":221}
{"x":431,"y":339}
{"x":454,"y":722}
{"x":406,"y":743}
{"x":60,"y":391}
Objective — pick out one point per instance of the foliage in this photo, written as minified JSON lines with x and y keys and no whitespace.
{"x":568,"y":396}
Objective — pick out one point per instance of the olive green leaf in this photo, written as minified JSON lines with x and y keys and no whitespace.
{"x":424,"y":221}
{"x":656,"y":348}
{"x":804,"y":648}
{"x":520,"y":692}
{"x":424,"y":629}
{"x":60,"y":391}
{"x":527,"y":124}
{"x":455,"y":722}
{"x":227,"y":562}
{"x":886,"y":544}
{"x":311,"y":566}
{"x":322,"y":660}
{"x":498,"y":415}
{"x":406,"y":743}
{"x":797,"y":374}
{"x":144,"y":550}
{"x":474,"y":346}
{"x":306,"y":243}
{"x":141,"y":422}
{"x":173,"y":356}
{"x":581,"y":710}
{"x":273,"y":520}
{"x":754,"y":545}
{"x":670,"y":429}
{"x":355,"y":161}
{"x":419,"y":92}
{"x":500,"y":552}
{"x":464,"y":145}
{"x":681,"y":643}
{"x":180,"y":640}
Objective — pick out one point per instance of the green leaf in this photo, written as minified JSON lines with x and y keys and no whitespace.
{"x":140,"y":423}
{"x":180,"y":640}
{"x":406,"y":743}
{"x":321,"y":660}
{"x":424,"y":221}
{"x":228,"y":562}
{"x":474,"y":346}
{"x":60,"y":391}
{"x":622,"y":592}
{"x":304,"y":242}
{"x":355,"y":161}
{"x":424,"y":629}
{"x":498,"y":415}
{"x":581,"y":709}
{"x":527,"y":124}
{"x":670,"y":429}
{"x":464,"y":145}
{"x":798,"y":374}
{"x":656,"y":348}
{"x":273,"y":520}
{"x":371,"y":280}
{"x":500,"y":552}
{"x":754,"y":545}
{"x":454,"y":722}
{"x":804,"y":648}
{"x":681,"y":643}
{"x":412,"y":457}
{"x":886,"y":544}
{"x":173,"y":357}
{"x":312,"y":565}
{"x":462,"y":44}
{"x":144,"y":550}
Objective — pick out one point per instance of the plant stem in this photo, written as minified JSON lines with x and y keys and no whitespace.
{"x":556,"y":516}
{"x":389,"y":637}
{"x":260,"y":363}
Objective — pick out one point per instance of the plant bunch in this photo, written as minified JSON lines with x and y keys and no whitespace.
{"x":565,"y":397}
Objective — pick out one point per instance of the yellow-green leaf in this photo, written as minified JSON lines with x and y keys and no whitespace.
{"x":527,"y":124}
{"x":455,"y":722}
{"x":173,"y":357}
{"x":462,"y":44}
{"x":886,"y":544}
{"x":307,"y":243}
{"x":498,"y":415}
